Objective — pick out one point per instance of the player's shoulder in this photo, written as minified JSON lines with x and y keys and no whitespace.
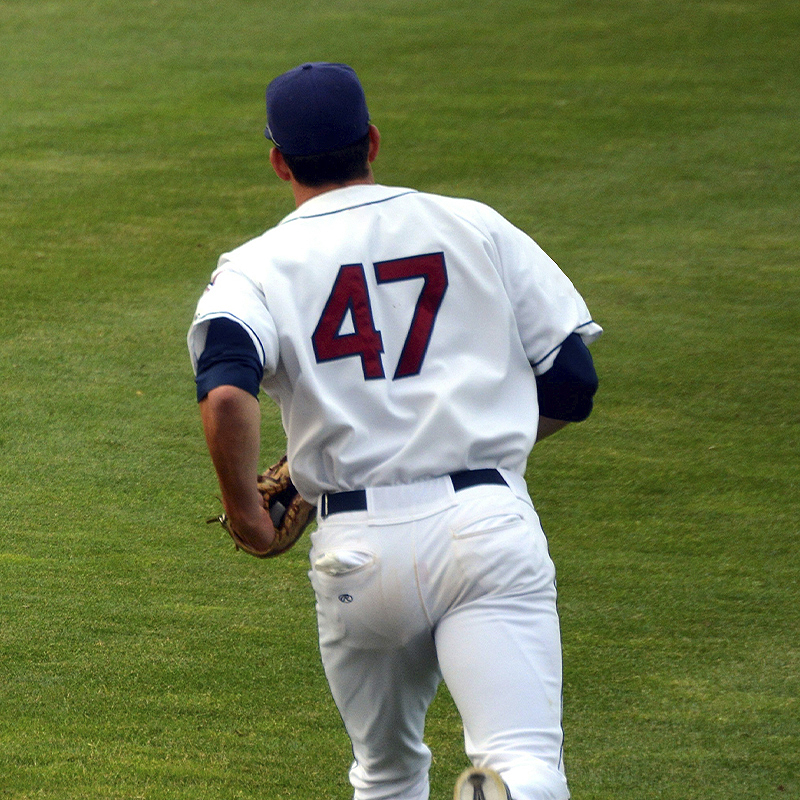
{"x":251,"y":251}
{"x":470,"y":211}
{"x":471,"y":207}
{"x":466,"y":205}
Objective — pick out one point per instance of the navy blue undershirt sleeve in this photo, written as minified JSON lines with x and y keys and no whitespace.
{"x":567,"y":388}
{"x":229,"y":359}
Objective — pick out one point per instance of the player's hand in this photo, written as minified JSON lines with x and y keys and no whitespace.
{"x":252,"y":524}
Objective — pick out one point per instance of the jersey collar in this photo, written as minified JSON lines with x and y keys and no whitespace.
{"x":344,"y":199}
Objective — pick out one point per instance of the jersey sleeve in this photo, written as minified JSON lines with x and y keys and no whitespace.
{"x":229,"y":359}
{"x":235,"y":296}
{"x":547,"y":306}
{"x":567,"y":389}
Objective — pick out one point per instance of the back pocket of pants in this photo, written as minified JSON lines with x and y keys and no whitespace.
{"x":485,"y":523}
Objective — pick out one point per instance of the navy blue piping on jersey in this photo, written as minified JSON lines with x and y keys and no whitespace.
{"x":550,"y":352}
{"x":297,"y":216}
{"x":567,"y":389}
{"x":229,"y":359}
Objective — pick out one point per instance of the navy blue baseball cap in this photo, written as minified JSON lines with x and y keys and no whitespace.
{"x":315,"y":108}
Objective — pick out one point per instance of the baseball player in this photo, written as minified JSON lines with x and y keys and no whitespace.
{"x":417,"y":347}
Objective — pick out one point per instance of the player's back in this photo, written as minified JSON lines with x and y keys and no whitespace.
{"x":399,"y":352}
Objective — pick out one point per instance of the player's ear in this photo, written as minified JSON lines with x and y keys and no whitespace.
{"x":374,"y":143}
{"x":279,"y":165}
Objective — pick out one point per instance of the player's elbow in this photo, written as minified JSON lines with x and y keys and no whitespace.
{"x":226,"y":404}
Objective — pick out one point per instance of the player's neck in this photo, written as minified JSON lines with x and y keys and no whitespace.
{"x":303,"y":193}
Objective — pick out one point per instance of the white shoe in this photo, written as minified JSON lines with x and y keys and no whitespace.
{"x":478,"y":783}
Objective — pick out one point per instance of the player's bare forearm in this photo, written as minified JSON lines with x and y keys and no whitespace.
{"x":548,"y":426}
{"x":232,"y":424}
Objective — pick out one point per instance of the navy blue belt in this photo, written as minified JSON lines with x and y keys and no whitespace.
{"x":356,"y":500}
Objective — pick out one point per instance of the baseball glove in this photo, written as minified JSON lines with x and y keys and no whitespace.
{"x":290,"y":514}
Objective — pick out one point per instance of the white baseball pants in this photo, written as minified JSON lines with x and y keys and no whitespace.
{"x":430,"y":584}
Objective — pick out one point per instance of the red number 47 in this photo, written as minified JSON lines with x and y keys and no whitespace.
{"x":350,"y":296}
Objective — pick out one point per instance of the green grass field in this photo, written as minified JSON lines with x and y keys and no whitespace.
{"x":650,"y":147}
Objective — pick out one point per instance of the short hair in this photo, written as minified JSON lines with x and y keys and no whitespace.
{"x":338,"y":166}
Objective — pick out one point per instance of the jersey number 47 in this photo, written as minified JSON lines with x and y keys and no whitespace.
{"x":349,"y":297}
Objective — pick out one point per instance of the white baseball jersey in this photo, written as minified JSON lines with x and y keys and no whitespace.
{"x":397,"y":330}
